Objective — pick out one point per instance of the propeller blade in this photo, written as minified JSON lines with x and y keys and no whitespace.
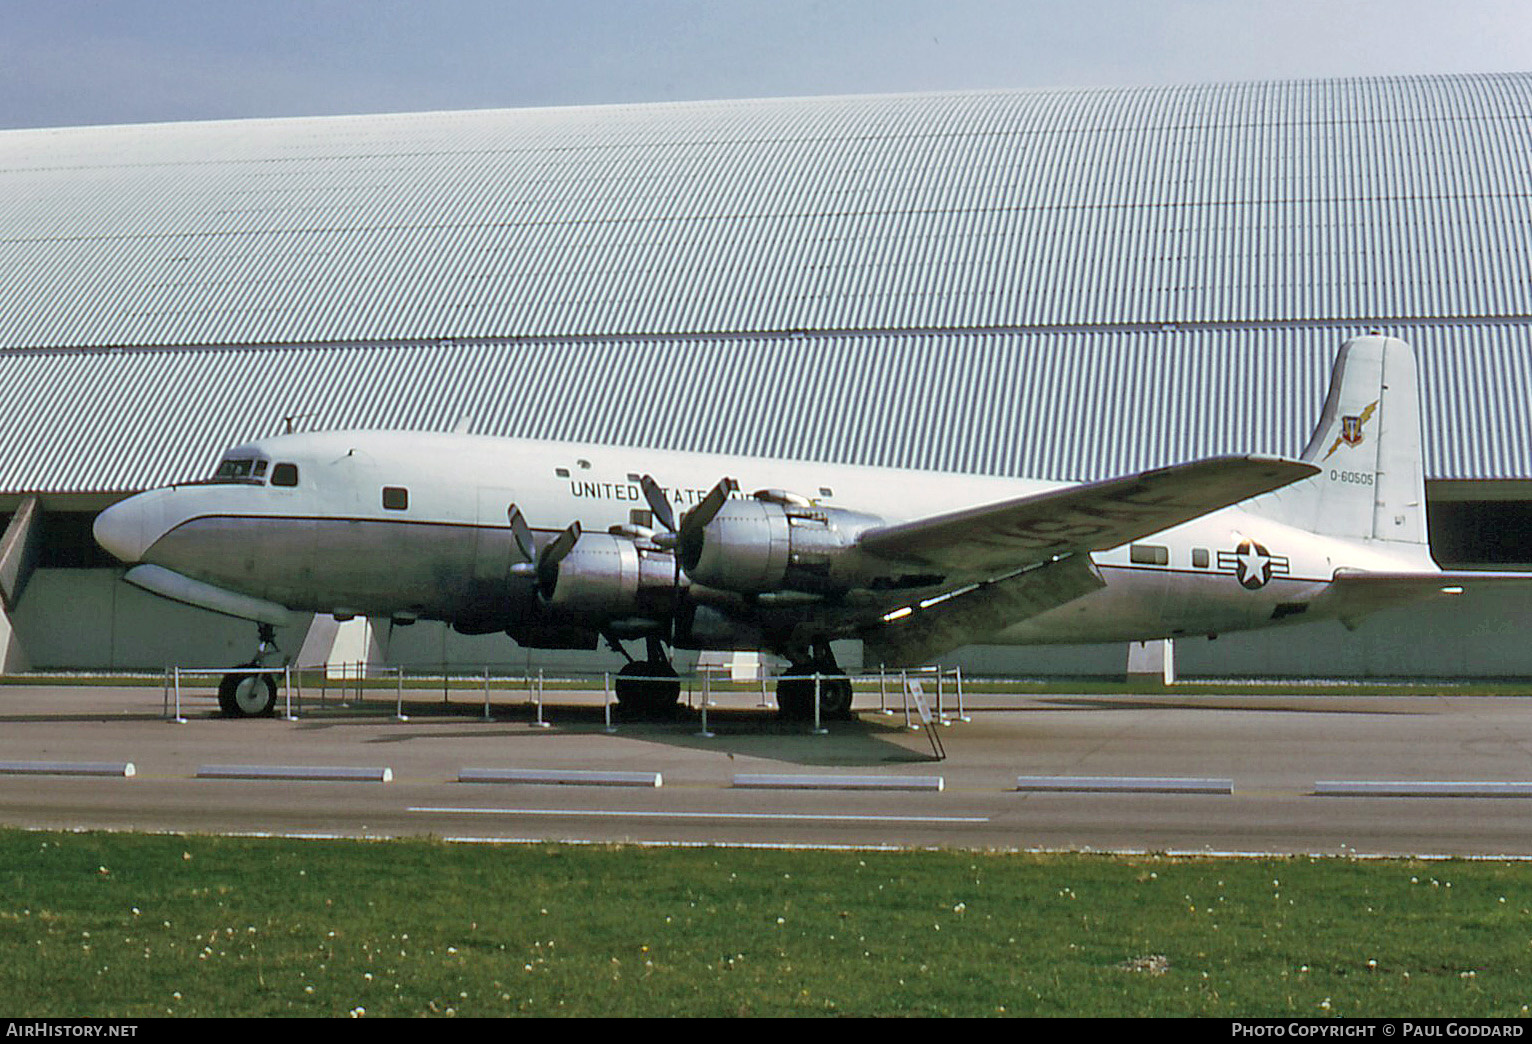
{"x":663,"y":513}
{"x":555,"y":552}
{"x":699,"y":516}
{"x":522,"y":533}
{"x":551,"y":555}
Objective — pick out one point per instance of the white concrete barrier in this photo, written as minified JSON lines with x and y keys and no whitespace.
{"x":1422,"y":788}
{"x":572,"y":777}
{"x":1126,"y":784}
{"x":807,"y":782}
{"x":304,"y":772}
{"x":68,"y":768}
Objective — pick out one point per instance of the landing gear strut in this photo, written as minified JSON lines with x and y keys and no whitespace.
{"x":795,"y":694}
{"x":242,"y":695}
{"x":649,"y":688}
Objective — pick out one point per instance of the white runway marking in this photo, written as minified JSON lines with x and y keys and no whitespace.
{"x":776,"y":816}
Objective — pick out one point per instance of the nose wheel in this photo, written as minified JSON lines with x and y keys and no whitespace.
{"x":247,"y":695}
{"x":244,"y":694}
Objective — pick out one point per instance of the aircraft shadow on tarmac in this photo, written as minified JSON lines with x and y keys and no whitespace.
{"x":77,"y":718}
{"x":1259,"y":705}
{"x":870,"y":738}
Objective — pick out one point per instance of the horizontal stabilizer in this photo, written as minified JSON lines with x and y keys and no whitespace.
{"x":1093,"y":517}
{"x":923,"y":632}
{"x":1354,"y":593}
{"x":169,"y":584}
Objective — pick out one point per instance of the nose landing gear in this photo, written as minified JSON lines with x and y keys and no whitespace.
{"x":252,"y":695}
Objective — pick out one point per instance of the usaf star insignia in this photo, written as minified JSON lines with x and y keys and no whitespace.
{"x":1252,"y":565}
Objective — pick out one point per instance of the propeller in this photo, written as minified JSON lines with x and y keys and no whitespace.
{"x":543,"y":564}
{"x":692,"y":524}
{"x":694,"y":521}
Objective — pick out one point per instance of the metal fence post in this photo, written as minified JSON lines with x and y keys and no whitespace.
{"x":706,"y":694}
{"x":539,"y":723}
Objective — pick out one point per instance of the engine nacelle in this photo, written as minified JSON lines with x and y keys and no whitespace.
{"x":773,"y":542}
{"x":610,"y":575}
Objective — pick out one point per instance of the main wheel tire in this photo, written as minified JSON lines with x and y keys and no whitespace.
{"x":648,"y":690}
{"x":795,"y":696}
{"x":835,"y":698}
{"x":247,"y":695}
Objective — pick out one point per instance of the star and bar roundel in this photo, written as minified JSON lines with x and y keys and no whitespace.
{"x":1252,"y":565}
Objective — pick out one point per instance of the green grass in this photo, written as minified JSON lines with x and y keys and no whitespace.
{"x":124,"y":925}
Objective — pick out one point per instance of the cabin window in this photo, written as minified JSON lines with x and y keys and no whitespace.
{"x":1149,"y":554}
{"x":1200,"y":557}
{"x":561,"y":472}
{"x":284,"y":475}
{"x":396,"y":498}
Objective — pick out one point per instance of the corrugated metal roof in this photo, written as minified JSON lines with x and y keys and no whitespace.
{"x":1063,"y":405}
{"x":1360,"y":199}
{"x":1066,"y":284}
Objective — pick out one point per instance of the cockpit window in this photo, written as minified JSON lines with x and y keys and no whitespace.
{"x":234,"y":469}
{"x":284,"y":475}
{"x":241,"y":469}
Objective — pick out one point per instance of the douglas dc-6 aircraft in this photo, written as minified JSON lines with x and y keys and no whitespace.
{"x":562,"y":545}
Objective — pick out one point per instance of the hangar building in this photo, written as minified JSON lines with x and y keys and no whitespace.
{"x":1066,"y":284}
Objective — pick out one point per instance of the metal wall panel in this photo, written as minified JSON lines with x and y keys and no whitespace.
{"x":1060,"y":405}
{"x":1067,"y":284}
{"x":1366,"y":199}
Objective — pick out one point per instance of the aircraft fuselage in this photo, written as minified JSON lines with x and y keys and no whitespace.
{"x":414,"y":525}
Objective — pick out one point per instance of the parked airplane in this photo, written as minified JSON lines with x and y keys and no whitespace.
{"x":561,"y":545}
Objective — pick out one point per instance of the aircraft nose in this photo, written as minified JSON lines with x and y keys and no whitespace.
{"x":124,"y":528}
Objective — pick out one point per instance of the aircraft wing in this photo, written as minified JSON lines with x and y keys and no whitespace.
{"x":1355,"y":593}
{"x":924,"y":631}
{"x":998,"y":538}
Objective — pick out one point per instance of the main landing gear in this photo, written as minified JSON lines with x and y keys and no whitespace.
{"x":795,"y":692}
{"x":242,"y":695}
{"x":648,"y":688}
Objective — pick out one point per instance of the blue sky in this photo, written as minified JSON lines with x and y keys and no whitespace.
{"x":69,"y":62}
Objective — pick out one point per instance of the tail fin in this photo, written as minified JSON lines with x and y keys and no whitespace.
{"x":1371,"y":485}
